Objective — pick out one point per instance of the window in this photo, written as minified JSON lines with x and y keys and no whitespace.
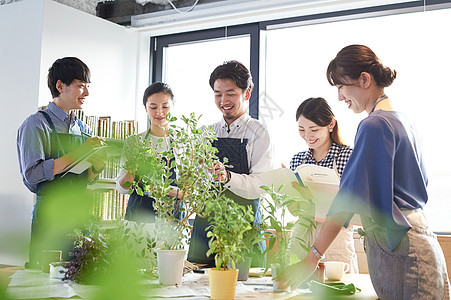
{"x":293,"y":67}
{"x":413,"y":44}
{"x":187,"y":61}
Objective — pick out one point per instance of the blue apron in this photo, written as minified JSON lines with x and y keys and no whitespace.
{"x":59,"y":202}
{"x":141,"y":208}
{"x":235,"y":150}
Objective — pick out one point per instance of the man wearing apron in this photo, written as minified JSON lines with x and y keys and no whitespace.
{"x":246,"y":144}
{"x":49,"y":141}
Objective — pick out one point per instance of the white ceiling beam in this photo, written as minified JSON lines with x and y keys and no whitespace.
{"x":235,"y":12}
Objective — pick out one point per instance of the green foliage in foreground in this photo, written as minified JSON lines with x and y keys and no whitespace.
{"x":192,"y":154}
{"x":276,"y":206}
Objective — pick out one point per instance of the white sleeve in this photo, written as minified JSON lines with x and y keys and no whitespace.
{"x":122,"y":172}
{"x":120,"y":175}
{"x":260,"y":160}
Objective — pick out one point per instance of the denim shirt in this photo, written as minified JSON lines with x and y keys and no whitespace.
{"x":33,"y":144}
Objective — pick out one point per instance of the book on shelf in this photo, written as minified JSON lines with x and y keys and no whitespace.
{"x":105,"y":127}
{"x":109,"y":203}
{"x":322,"y":183}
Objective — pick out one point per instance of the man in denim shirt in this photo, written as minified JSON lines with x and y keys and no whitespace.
{"x":48,"y":142}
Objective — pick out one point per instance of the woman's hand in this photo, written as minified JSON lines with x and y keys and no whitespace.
{"x":297,"y":273}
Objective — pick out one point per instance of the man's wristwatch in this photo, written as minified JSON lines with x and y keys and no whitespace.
{"x":317,"y":254}
{"x":228,"y":176}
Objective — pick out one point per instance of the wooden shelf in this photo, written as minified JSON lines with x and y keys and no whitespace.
{"x":103,"y":184}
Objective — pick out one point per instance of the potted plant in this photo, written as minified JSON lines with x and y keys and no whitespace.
{"x":193,"y":156}
{"x":276,"y":205}
{"x":229,"y":222}
{"x":251,"y":238}
{"x":96,"y":250}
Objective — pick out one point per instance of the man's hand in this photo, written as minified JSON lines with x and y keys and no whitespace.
{"x":98,"y":161}
{"x":221,"y":172}
{"x":87,"y":146}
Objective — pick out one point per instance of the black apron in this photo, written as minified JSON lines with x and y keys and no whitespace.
{"x":235,"y":150}
{"x":61,"y":204}
{"x":141,"y":208}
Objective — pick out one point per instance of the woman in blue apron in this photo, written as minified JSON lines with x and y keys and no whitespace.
{"x":158,"y":100}
{"x":141,"y":208}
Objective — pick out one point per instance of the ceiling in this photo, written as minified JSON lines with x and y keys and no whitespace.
{"x":120,"y":11}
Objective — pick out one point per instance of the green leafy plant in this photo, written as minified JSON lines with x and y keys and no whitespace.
{"x":275,"y":206}
{"x":192,"y":154}
{"x":96,"y":250}
{"x":138,"y":242}
{"x":229,"y":222}
{"x":253,"y":237}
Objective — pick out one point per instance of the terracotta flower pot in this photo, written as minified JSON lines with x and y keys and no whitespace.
{"x":222,"y":283}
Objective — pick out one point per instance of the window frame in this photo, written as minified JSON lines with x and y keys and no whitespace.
{"x":257,"y":30}
{"x":159,"y":43}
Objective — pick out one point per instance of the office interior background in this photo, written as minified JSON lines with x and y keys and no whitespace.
{"x":286,"y":44}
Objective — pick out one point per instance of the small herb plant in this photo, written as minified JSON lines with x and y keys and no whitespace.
{"x":252,"y":238}
{"x":95,"y":250}
{"x":229,"y":222}
{"x":276,"y":208}
{"x":192,"y":154}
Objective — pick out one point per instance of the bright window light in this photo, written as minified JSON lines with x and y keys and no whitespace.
{"x":416,"y":45}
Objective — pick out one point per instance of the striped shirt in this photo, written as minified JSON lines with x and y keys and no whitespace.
{"x":337,"y":153}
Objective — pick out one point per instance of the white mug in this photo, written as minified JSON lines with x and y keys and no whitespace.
{"x":336,"y":269}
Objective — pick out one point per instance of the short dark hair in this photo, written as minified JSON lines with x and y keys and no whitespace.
{"x":67,"y":69}
{"x":155,"y":88}
{"x":235,"y":71}
{"x":352,"y":60}
{"x":319,"y":112}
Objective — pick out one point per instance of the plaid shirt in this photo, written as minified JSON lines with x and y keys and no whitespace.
{"x":339,"y":154}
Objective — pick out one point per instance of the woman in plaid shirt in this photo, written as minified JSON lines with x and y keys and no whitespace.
{"x":319,"y":128}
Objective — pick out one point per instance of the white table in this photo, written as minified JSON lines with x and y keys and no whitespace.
{"x":27,"y":284}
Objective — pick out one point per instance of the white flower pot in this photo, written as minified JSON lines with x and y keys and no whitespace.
{"x":170,"y":266}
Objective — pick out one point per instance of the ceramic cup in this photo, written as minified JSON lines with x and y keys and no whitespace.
{"x":57,"y":270}
{"x":336,"y":269}
{"x":49,"y":256}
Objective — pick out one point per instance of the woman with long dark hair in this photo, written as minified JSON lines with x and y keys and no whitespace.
{"x":318,"y":126}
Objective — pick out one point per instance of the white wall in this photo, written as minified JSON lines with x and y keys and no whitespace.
{"x":20,"y":53}
{"x":109,"y":50}
{"x":33,"y":34}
